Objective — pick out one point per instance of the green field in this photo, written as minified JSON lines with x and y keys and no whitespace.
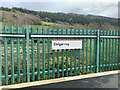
{"x":49,"y":23}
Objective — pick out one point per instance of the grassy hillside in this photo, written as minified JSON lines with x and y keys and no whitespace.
{"x":22,"y":17}
{"x":18,"y":18}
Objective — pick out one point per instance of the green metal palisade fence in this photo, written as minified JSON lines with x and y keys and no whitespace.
{"x":26,"y":54}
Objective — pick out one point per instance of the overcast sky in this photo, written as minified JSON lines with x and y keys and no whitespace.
{"x":107,"y":8}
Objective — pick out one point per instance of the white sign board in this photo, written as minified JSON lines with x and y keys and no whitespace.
{"x":66,"y":44}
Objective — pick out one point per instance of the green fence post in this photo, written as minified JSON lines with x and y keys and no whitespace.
{"x":53,"y":57}
{"x":71,"y":57}
{"x":6,"y":57}
{"x":12,"y":56}
{"x":28,"y":57}
{"x":48,"y":39}
{"x":66,"y":56}
{"x":33,"y":61}
{"x":97,"y":52}
{"x":79,"y":53}
{"x":43,"y":54}
{"x":62,"y":57}
{"x":91,"y":52}
{"x":38,"y":56}
{"x":118,"y":50}
{"x":24,"y":55}
{"x":95,"y":46}
{"x":75,"y":50}
{"x":109,"y":51}
{"x":0,"y":59}
{"x":102,"y":41}
{"x":115,"y":53}
{"x":86,"y":53}
{"x":107,"y":45}
{"x":58,"y":58}
{"x":18,"y":55}
{"x":83,"y":48}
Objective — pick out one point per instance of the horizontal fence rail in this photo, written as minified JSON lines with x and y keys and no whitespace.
{"x":109,"y":36}
{"x":56,"y":36}
{"x":11,"y":35}
{"x":63,"y":36}
{"x":27,"y":55}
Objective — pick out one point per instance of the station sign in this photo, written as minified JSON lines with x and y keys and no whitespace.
{"x":66,"y":44}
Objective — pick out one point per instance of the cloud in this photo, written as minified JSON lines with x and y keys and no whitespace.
{"x":97,"y":7}
{"x":111,"y":11}
{"x":60,"y":1}
{"x":11,"y":4}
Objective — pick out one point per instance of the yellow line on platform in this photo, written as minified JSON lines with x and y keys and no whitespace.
{"x":57,"y":80}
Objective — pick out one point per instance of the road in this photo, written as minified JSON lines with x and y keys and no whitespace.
{"x":109,"y":81}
